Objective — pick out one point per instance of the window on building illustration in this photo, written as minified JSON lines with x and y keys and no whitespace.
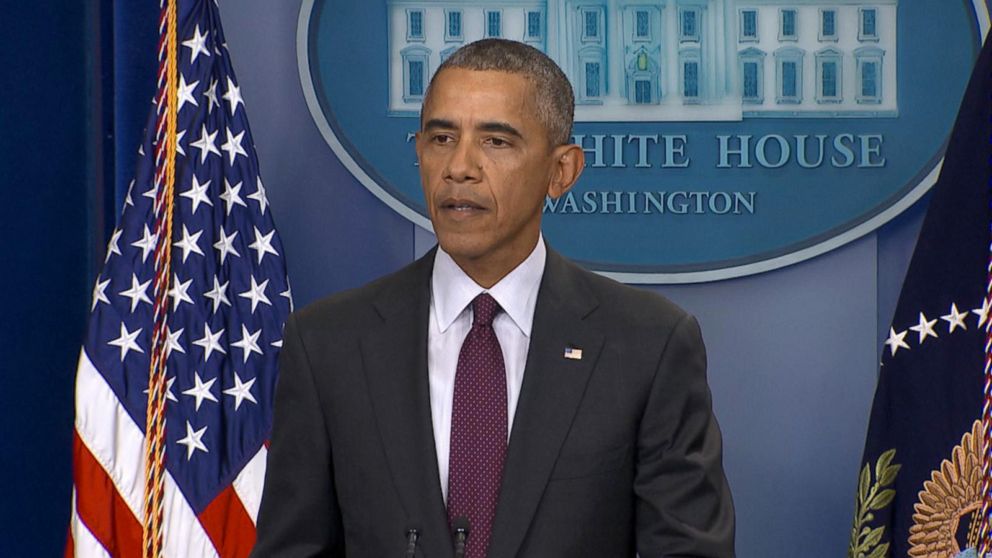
{"x":829,"y":80}
{"x":414,"y":72}
{"x":828,"y":25}
{"x":592,"y":79}
{"x":869,"y":74}
{"x":789,"y":80}
{"x":789,"y":75}
{"x":689,"y":27}
{"x":453,"y":31}
{"x":868,"y":30}
{"x":590,"y":25}
{"x":752,"y":71}
{"x":788,"y":27}
{"x":749,"y":25}
{"x":415,"y":25}
{"x":690,"y":79}
{"x":642,"y":91}
{"x":416,"y":78}
{"x":642,"y":27}
{"x":534,"y":26}
{"x":494,"y":24}
{"x":869,"y":80}
{"x":751,"y":81}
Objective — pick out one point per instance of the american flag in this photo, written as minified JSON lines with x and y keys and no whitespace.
{"x":223,"y":296}
{"x":923,"y":485}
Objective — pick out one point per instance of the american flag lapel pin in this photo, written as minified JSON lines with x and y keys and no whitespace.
{"x":573,"y":353}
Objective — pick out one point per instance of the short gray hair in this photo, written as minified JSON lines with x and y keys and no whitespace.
{"x":553,"y":92}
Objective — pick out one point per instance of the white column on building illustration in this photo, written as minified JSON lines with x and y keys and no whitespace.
{"x":556,"y":33}
{"x":708,"y":54}
{"x":668,"y":58}
{"x":558,"y":36}
{"x":614,"y":52}
{"x":715,"y":49}
{"x":728,"y":40}
{"x":728,"y":58}
{"x":670,"y":45}
{"x":570,"y":43}
{"x":709,"y":51}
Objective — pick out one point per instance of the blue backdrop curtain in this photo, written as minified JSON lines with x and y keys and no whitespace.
{"x":78,"y":81}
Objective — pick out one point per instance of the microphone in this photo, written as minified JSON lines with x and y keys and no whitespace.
{"x":412,"y":536}
{"x":461,"y":528}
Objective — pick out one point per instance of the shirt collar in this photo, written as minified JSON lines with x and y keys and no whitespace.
{"x":452,"y":290}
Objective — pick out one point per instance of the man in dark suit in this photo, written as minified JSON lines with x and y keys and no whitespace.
{"x":492,"y":389}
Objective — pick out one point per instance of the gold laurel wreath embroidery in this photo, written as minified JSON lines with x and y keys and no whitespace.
{"x":872,"y":497}
{"x":953,"y":491}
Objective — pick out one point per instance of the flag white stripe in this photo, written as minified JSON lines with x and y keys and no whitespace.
{"x":84,"y":544}
{"x":110,"y":434}
{"x":184,"y":536}
{"x":248,"y":484}
{"x":117,"y":444}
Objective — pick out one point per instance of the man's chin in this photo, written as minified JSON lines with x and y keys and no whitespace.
{"x":461,"y":248}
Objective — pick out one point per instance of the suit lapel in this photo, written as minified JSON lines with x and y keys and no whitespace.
{"x":552,"y":390}
{"x":395,"y":357}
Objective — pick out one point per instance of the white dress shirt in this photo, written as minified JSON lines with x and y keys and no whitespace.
{"x":452,"y":293}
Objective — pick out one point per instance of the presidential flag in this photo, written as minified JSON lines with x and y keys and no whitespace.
{"x":176,"y":375}
{"x":923,"y":488}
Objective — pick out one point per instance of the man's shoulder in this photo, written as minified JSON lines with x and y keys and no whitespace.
{"x":353,"y":307}
{"x":621,"y":303}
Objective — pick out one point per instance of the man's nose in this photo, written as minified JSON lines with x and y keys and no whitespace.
{"x":464,"y":164}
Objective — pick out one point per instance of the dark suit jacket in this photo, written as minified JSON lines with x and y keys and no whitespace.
{"x":609,"y":455}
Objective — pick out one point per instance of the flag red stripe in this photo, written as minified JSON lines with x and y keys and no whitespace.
{"x":100,"y":507}
{"x":70,"y":549}
{"x":228,"y":525}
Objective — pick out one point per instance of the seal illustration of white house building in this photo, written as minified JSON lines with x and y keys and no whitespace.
{"x":671,"y":60}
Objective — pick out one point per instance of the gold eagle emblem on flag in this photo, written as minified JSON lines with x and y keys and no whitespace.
{"x":951,"y":496}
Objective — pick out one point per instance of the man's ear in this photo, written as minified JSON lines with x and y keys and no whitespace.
{"x":416,"y":144}
{"x":569,"y":161}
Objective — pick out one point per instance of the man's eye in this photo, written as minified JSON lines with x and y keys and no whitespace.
{"x":442,"y":139}
{"x":498,"y":142}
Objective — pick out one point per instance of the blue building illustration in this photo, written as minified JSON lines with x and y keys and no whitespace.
{"x":671,"y":60}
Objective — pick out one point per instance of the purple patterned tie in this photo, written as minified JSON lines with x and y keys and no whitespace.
{"x":478,"y":428}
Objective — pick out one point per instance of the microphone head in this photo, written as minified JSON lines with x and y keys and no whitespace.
{"x":461,"y":525}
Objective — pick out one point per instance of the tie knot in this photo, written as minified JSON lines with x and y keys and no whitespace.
{"x":485,"y":309}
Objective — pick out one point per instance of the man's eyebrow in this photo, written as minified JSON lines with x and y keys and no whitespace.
{"x":435,"y":123}
{"x":500,"y":127}
{"x":443,"y":124}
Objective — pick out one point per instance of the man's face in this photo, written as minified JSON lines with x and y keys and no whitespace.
{"x":486,"y":166}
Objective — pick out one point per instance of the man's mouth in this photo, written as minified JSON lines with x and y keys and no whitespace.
{"x":461,"y":205}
